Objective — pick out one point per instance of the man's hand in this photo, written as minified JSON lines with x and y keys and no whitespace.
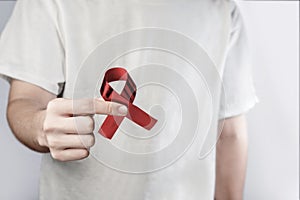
{"x":68,"y":131}
{"x":60,"y":126}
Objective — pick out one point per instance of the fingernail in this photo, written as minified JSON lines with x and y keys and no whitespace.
{"x":122,"y":110}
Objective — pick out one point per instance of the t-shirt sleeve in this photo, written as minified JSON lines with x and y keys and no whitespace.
{"x":240,"y":95}
{"x":31,"y":47}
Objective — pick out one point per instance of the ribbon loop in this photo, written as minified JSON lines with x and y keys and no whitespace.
{"x":127,"y":96}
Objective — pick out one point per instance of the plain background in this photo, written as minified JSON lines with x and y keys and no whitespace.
{"x":273,"y":124}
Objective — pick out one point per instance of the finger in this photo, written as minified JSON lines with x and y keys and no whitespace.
{"x":90,"y":107}
{"x":70,"y":154}
{"x":65,"y":141}
{"x":109,"y":108}
{"x":78,"y":125}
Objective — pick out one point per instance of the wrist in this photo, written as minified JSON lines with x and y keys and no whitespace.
{"x":40,"y":140}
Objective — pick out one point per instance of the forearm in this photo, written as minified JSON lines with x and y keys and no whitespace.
{"x":231,"y":161}
{"x":25,"y":117}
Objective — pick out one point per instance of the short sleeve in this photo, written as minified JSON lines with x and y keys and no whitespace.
{"x":240,"y":95}
{"x":31,"y":48}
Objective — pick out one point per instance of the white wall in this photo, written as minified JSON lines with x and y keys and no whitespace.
{"x":273,"y":28}
{"x":273,"y":124}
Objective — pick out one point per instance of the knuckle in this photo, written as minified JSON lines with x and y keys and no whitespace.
{"x":91,"y":124}
{"x":91,"y":141}
{"x":85,"y":153}
{"x":109,"y":108}
{"x":87,"y":141}
{"x":88,"y":105}
{"x":42,"y":140}
{"x":47,"y":126}
{"x":94,"y":101}
{"x":58,"y":100}
{"x":52,"y":104}
{"x":52,"y":143}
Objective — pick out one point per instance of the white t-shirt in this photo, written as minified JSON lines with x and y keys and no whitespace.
{"x":175,"y":50}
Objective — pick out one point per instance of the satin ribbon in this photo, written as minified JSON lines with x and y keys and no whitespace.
{"x":127,"y":96}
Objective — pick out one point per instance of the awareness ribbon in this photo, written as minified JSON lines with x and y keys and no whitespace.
{"x":127,"y":96}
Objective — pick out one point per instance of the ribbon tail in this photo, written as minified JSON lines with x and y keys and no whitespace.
{"x":110,"y":126}
{"x":140,"y":117}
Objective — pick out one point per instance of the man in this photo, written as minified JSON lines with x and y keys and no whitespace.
{"x":41,"y":51}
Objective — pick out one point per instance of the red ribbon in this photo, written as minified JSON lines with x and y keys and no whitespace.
{"x":135,"y":114}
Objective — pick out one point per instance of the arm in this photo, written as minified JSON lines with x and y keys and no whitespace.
{"x":231,"y":159}
{"x":45,"y":123}
{"x":26,"y":113}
